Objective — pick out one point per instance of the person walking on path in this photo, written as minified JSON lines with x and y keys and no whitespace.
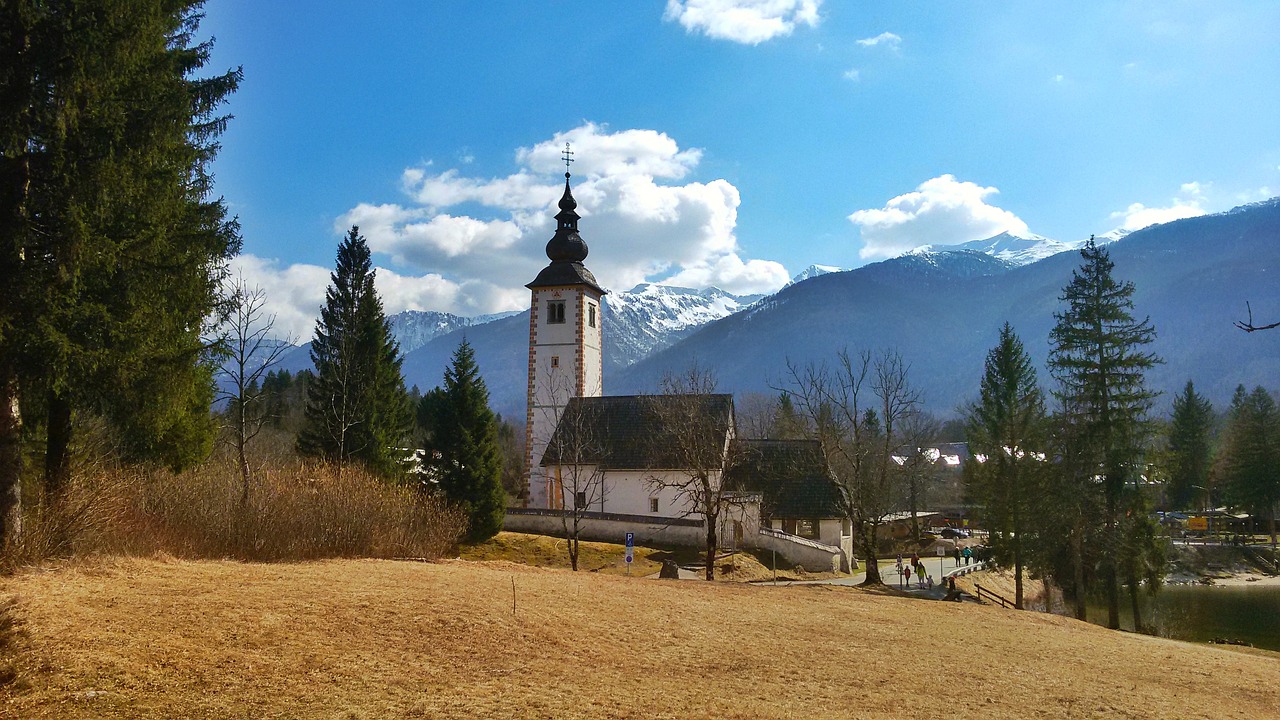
{"x":955,"y":553}
{"x":906,"y":572}
{"x":968,"y":555}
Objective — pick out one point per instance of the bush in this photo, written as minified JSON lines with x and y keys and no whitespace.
{"x":294,"y":512}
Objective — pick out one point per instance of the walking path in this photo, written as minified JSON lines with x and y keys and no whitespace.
{"x":890,"y":577}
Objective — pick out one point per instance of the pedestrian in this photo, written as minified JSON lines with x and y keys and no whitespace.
{"x":930,"y":582}
{"x":907,"y":574}
{"x":955,"y":553}
{"x":968,"y":555}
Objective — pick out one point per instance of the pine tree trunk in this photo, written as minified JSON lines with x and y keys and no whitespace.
{"x":1017,"y":578}
{"x":1017,"y":553}
{"x":57,"y":457}
{"x":1134,"y":589}
{"x":1111,"y":573}
{"x":10,"y":457}
{"x":1077,"y":562}
{"x":1048,"y":593}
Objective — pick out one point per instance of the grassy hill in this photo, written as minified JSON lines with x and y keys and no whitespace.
{"x":366,"y":639}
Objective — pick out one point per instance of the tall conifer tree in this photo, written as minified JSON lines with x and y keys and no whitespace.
{"x":464,"y":432}
{"x":1251,"y":457}
{"x":1190,"y":449}
{"x":357,"y":407}
{"x":1099,"y":359}
{"x":1007,"y":427}
{"x":114,"y":244}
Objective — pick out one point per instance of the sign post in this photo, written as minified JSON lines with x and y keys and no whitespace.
{"x":631,"y":547}
{"x":942,"y":554}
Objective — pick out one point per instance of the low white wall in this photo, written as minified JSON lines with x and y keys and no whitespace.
{"x":610,"y":529}
{"x":814,"y":556}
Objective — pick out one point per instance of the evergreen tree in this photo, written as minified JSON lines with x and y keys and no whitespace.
{"x":1006,"y":426}
{"x":1098,"y":358}
{"x":357,"y":408}
{"x":787,"y":422}
{"x":1190,"y":449}
{"x":464,"y":432}
{"x":1252,"y":460}
{"x":114,"y":245}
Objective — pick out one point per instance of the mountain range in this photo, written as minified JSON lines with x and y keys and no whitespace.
{"x":940,"y":307}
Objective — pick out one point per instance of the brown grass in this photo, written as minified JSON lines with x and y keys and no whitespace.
{"x":366,"y":639}
{"x":295,"y":512}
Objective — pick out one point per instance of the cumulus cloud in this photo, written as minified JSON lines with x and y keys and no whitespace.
{"x":852,"y":74}
{"x":749,"y":22}
{"x":1188,"y":203}
{"x":941,"y":211}
{"x":887,"y":39}
{"x":467,"y":245}
{"x":295,"y":293}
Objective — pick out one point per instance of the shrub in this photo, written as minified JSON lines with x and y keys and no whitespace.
{"x":294,"y":512}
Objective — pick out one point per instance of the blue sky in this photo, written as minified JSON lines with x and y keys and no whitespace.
{"x":722,"y":142}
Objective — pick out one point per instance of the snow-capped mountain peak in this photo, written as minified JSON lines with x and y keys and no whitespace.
{"x":1016,"y":248}
{"x":650,"y":316}
{"x":813,"y":271}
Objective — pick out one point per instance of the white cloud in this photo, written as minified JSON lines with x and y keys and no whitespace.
{"x":296,"y":293}
{"x":1058,"y":78}
{"x":467,"y":245}
{"x":743,"y":21}
{"x":729,"y":271}
{"x":941,"y":211}
{"x":1188,"y":203}
{"x":852,"y":74}
{"x":887,"y":39}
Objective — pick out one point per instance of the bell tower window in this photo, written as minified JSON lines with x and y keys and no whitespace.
{"x":555,"y":312}
{"x":591,"y":315}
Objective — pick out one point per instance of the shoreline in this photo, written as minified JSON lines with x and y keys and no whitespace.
{"x":1248,"y":579}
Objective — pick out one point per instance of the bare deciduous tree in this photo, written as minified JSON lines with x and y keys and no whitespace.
{"x":857,"y":410}
{"x":250,"y":354}
{"x":689,"y":427}
{"x":574,"y":459}
{"x":919,"y":463}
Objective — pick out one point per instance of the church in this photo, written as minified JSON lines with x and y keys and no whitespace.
{"x":630,"y":464}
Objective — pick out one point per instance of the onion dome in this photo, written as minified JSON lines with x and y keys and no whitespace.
{"x":566,"y":249}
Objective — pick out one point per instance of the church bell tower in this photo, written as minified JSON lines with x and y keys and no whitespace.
{"x":565,"y":333}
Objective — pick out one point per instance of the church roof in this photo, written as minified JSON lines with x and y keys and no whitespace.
{"x":638,"y":432}
{"x":566,"y":250}
{"x":792,"y":476}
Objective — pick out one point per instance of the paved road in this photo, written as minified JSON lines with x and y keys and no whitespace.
{"x":888,"y":574}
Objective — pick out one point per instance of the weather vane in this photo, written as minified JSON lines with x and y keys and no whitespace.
{"x":567,"y":157}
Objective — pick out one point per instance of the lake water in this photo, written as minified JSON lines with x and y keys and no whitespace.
{"x":1203,"y":612}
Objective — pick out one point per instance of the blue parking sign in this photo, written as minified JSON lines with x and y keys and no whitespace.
{"x":631,"y":543}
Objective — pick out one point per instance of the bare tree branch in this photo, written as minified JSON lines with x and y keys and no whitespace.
{"x":1248,"y":325}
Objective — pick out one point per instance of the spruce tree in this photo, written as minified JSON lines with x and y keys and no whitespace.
{"x":1252,"y":460}
{"x":1190,"y":449}
{"x":357,"y":408}
{"x":1006,"y":426}
{"x":464,"y":433}
{"x":114,"y":244}
{"x":1099,"y":359}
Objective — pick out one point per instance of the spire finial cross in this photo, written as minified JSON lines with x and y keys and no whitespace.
{"x":567,"y":156}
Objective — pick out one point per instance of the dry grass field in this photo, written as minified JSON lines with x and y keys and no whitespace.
{"x":369,"y":639}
